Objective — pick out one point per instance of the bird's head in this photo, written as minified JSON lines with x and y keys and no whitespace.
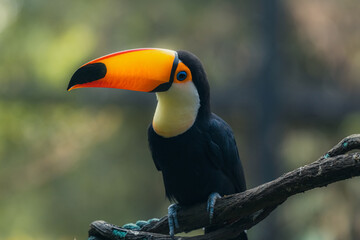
{"x":177,"y":76}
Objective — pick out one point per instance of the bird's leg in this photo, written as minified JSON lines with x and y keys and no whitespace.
{"x":172,"y":218}
{"x":211,"y":204}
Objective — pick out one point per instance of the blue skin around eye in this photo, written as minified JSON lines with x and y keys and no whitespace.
{"x":181,"y":75}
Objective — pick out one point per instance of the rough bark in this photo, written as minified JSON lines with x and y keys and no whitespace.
{"x":238,"y":212}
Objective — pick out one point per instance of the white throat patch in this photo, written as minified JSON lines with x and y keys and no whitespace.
{"x":176,"y":110}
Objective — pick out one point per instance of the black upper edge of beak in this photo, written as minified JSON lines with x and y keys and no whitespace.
{"x":88,"y":73}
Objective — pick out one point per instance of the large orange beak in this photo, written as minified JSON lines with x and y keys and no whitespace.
{"x":146,"y":70}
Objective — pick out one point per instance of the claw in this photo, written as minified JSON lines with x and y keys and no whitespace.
{"x":211,"y":204}
{"x":172,"y":218}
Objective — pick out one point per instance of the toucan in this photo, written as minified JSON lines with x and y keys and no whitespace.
{"x":194,"y":149}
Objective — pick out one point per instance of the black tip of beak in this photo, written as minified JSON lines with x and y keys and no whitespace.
{"x":88,"y":73}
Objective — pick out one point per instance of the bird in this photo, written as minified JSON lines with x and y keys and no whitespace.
{"x":193,"y":148}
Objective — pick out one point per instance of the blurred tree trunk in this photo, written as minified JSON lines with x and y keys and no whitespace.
{"x":267,"y":88}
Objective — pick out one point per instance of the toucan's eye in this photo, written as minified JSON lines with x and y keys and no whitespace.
{"x":181,"y":75}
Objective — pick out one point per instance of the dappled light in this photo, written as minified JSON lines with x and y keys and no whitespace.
{"x":288,"y":83}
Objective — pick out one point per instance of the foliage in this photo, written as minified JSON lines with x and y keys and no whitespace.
{"x":67,"y":157}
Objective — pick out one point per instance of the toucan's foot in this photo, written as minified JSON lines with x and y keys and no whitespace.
{"x":142,"y":223}
{"x":131,"y":226}
{"x":172,"y":218}
{"x":139,"y":224}
{"x":101,"y":230}
{"x":211,"y":204}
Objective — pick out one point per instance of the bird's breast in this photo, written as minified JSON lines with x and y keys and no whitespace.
{"x":188,"y":173}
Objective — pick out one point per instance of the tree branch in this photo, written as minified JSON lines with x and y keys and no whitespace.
{"x":241,"y":211}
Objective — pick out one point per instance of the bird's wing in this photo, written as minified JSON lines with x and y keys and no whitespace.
{"x":151,"y":135}
{"x":224,"y":153}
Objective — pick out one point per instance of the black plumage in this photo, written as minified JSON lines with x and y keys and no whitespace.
{"x":195,"y":164}
{"x":202,"y":160}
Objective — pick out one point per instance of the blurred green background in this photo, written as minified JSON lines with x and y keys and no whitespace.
{"x":284,"y":74}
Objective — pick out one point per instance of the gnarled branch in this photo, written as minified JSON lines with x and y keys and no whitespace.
{"x":241,"y":211}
